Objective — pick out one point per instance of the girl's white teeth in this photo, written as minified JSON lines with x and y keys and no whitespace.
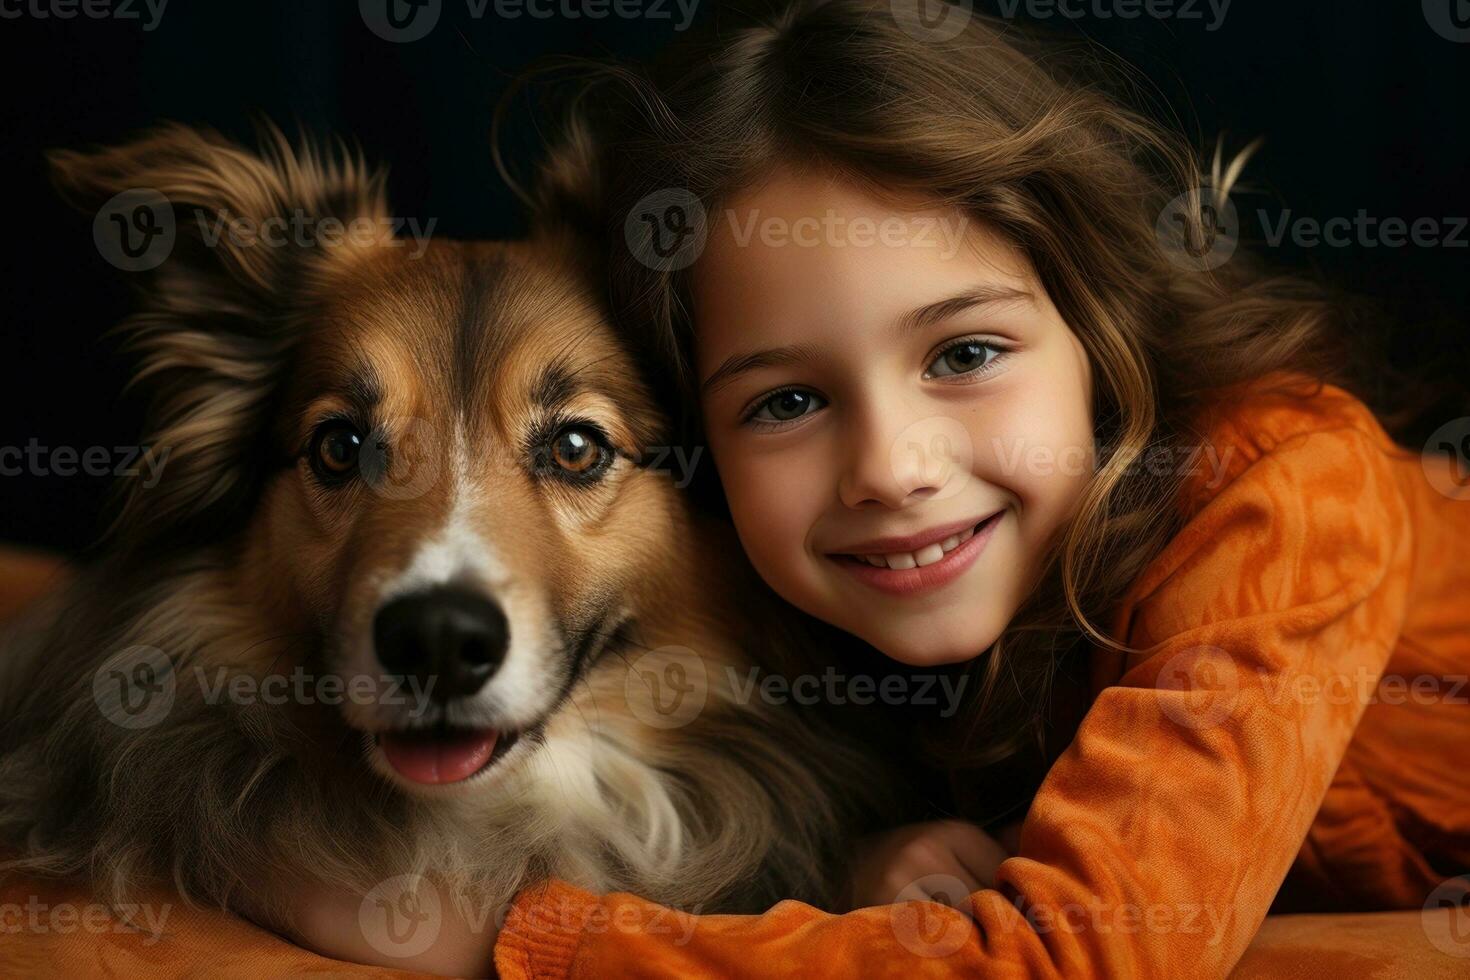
{"x":927,"y":555}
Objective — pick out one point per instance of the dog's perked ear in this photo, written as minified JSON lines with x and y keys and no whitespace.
{"x":578,"y":108}
{"x":223,"y":243}
{"x":567,"y":193}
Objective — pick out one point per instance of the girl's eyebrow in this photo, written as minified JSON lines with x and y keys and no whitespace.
{"x":738,"y":364}
{"x":984,"y":295}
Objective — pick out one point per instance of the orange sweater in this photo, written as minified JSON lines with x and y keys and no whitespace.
{"x":1301,"y":705}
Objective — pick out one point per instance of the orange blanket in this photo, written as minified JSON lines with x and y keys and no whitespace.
{"x":52,"y":932}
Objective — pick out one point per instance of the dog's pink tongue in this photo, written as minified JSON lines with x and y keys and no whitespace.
{"x":439,"y":757}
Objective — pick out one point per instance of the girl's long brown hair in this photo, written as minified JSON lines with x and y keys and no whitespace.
{"x":1024,"y":136}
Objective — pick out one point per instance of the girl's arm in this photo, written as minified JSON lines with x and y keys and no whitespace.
{"x":1159,"y":839}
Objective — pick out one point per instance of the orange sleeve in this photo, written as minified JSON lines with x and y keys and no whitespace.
{"x":1159,"y":838}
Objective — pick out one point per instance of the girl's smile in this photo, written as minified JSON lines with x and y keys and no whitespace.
{"x":918,"y":562}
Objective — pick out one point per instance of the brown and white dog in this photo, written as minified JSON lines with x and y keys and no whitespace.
{"x":408,"y":597}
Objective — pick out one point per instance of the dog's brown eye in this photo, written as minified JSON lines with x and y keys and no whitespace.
{"x":579,"y":451}
{"x":574,"y":450}
{"x":335,"y":450}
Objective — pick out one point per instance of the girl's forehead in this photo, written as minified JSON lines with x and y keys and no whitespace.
{"x":821,"y":216}
{"x":794,"y":193}
{"x":805,"y":250}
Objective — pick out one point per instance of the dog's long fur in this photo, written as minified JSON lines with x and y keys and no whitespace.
{"x":237,"y":563}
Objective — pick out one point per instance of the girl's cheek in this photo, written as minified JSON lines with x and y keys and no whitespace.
{"x":762,"y":512}
{"x":1034,"y":465}
{"x":773,"y":503}
{"x":1040,"y":451}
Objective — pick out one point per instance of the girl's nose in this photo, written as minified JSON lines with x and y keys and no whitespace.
{"x":880,"y":470}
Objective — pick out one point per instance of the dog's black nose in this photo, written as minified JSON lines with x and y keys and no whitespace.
{"x":451,"y":638}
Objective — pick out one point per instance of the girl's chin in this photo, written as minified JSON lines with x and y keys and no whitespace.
{"x":951,"y":634}
{"x":924,"y":646}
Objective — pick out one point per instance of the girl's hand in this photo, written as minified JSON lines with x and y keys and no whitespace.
{"x":394,"y":930}
{"x":893,"y":861}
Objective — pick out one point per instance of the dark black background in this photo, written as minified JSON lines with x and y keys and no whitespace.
{"x":1362,"y":105}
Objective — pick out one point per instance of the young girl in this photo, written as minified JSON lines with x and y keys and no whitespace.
{"x":985,"y":385}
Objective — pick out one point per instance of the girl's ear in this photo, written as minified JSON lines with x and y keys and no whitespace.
{"x":225,"y":244}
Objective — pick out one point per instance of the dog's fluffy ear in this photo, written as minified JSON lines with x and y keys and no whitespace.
{"x":216,"y":329}
{"x":568,"y":194}
{"x":242,"y":220}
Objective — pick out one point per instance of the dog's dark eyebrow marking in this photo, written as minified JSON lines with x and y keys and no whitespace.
{"x":363,"y":389}
{"x":554,"y":386}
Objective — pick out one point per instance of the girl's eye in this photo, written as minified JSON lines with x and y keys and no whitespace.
{"x":784,"y":406}
{"x":578,"y":452}
{"x":335,"y":448}
{"x":963,"y":358}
